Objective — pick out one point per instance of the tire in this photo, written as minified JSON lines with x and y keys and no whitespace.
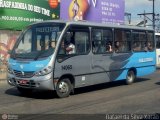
{"x":64,"y":88}
{"x":130,"y":78}
{"x":24,"y":91}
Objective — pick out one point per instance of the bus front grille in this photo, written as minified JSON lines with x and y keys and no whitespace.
{"x":23,"y":74}
{"x":30,"y":84}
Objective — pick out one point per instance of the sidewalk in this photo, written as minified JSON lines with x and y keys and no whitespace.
{"x":3,"y":72}
{"x":3,"y":76}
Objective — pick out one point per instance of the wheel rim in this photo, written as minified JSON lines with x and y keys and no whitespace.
{"x":63,"y":87}
{"x":130,"y":77}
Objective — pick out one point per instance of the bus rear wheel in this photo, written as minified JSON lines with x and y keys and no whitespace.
{"x":64,"y":88}
{"x":130,"y":78}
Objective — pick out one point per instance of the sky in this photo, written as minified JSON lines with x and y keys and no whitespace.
{"x":139,"y":6}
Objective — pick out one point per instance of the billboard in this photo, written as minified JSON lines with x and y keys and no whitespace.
{"x":16,"y":14}
{"x":105,"y":11}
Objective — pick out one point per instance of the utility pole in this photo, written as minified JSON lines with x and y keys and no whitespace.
{"x":145,"y":15}
{"x":153,"y":15}
{"x":144,"y":19}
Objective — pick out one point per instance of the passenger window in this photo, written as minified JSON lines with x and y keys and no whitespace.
{"x":101,"y":41}
{"x":139,"y":41}
{"x":67,"y":46}
{"x":75,"y":41}
{"x":158,"y":41}
{"x":97,"y":41}
{"x":107,"y":37}
{"x":82,"y":42}
{"x":122,"y":41}
{"x":150,"y":41}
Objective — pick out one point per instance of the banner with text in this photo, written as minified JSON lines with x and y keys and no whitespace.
{"x":105,"y":11}
{"x":16,"y":14}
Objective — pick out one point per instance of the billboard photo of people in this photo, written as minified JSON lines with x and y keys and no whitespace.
{"x":77,"y":9}
{"x":103,"y":11}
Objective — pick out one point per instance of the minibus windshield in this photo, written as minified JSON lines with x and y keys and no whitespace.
{"x":38,"y":41}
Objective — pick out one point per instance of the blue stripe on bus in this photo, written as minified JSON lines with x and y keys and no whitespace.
{"x":144,"y":62}
{"x":29,"y":65}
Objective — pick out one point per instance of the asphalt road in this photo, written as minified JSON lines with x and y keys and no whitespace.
{"x":96,"y":102}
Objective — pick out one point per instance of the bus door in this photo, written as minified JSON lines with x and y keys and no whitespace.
{"x":73,"y":56}
{"x":102,"y":54}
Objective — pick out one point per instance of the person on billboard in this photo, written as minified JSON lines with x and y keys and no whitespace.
{"x":75,"y":8}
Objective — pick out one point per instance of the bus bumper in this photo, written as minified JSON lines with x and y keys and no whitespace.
{"x":36,"y":82}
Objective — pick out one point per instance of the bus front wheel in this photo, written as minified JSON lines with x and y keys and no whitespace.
{"x":63,"y":88}
{"x":130,"y":77}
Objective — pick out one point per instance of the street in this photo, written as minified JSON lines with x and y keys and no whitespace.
{"x":142,"y":97}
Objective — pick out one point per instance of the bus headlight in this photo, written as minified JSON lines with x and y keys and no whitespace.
{"x":44,"y":71}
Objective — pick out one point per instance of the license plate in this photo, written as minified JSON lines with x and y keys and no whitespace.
{"x":23,"y":82}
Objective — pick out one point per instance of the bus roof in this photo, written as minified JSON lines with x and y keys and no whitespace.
{"x":87,"y":23}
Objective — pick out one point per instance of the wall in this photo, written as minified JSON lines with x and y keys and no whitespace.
{"x":7,"y":41}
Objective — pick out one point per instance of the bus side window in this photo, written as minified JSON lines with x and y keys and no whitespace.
{"x":62,"y":50}
{"x":158,"y":41}
{"x":82,"y":42}
{"x":139,"y":41}
{"x":70,"y":44}
{"x":102,"y":40}
{"x":108,"y":40}
{"x":122,"y":40}
{"x":118,"y":41}
{"x":136,"y":46}
{"x":150,"y":41}
{"x":67,"y":41}
{"x":136,"y":42}
{"x":97,"y":40}
{"x":74,"y":42}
